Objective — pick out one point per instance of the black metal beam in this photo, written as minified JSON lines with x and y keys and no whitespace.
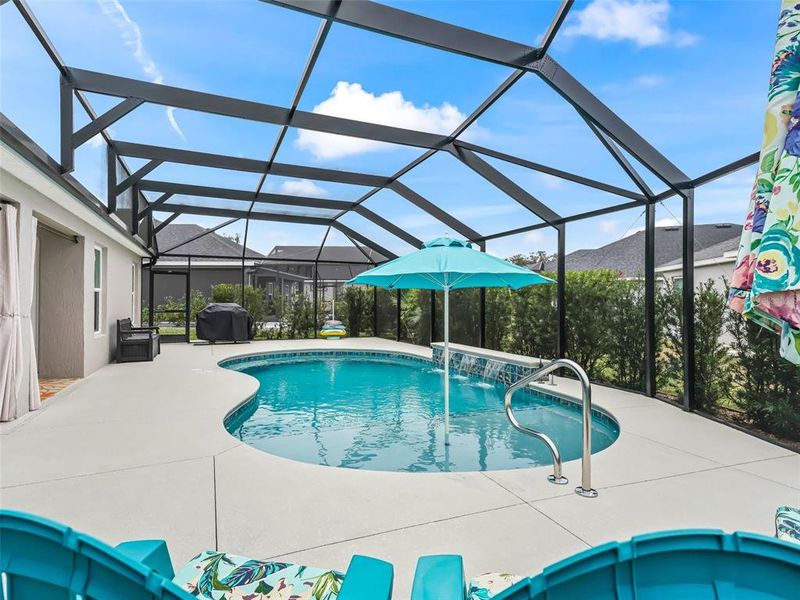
{"x":534,"y":166}
{"x":242,"y":214}
{"x":687,"y":322}
{"x":123,"y":87}
{"x":155,"y":204}
{"x":588,"y":105}
{"x":248,"y":165}
{"x":108,"y":118}
{"x":264,"y":262}
{"x":555,"y":25}
{"x":188,"y":189}
{"x":561,"y":293}
{"x":620,"y":158}
{"x":387,"y":225}
{"x":134,"y":224}
{"x":137,"y":176}
{"x":503,"y":183}
{"x":650,"y":348}
{"x":66,"y":125}
{"x":165,"y":222}
{"x":570,"y":219}
{"x":743,"y":162}
{"x":363,"y":240}
{"x":433,"y":210}
{"x":202,"y":234}
{"x":111,"y":179}
{"x":418,"y":29}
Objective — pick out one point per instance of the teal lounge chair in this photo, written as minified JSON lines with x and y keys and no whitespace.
{"x":691,"y":564}
{"x":41,"y":559}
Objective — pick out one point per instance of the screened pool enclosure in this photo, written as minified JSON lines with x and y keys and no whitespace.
{"x":146,"y":187}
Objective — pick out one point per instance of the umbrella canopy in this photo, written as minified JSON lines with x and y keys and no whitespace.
{"x":447,"y":264}
{"x":765,"y":286}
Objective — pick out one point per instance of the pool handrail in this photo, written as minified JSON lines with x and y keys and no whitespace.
{"x":585,"y":489}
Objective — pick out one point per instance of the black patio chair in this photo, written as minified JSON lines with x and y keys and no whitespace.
{"x":136,"y":344}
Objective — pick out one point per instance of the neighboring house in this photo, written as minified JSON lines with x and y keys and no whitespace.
{"x":715,"y":253}
{"x":715,"y":262}
{"x":330,"y":275}
{"x":209,"y":263}
{"x":276,"y":273}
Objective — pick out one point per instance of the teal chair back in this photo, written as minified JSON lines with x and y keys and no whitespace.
{"x":43,"y":559}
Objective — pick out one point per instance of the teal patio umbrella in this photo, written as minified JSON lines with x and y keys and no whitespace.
{"x":447,"y":264}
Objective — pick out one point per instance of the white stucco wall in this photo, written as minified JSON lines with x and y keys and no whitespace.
{"x":719,"y":272}
{"x":66,"y":324}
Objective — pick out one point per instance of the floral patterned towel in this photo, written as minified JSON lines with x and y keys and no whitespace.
{"x":489,"y":585}
{"x":766,"y":282}
{"x":787,"y":524}
{"x":218,"y":576}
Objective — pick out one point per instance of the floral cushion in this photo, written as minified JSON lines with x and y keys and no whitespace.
{"x":489,"y":585}
{"x":787,"y":524}
{"x":219,"y":576}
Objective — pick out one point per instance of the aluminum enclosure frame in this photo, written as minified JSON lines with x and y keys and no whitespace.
{"x":616,"y":136}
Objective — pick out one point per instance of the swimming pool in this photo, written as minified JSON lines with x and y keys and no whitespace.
{"x":384,"y":411}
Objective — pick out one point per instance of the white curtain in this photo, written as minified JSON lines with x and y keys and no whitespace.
{"x":10,"y":318}
{"x":34,"y":394}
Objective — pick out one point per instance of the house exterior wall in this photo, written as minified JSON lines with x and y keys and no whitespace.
{"x":60,"y":306}
{"x":68,"y":344}
{"x":719,"y":273}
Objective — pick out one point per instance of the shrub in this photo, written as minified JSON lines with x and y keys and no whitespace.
{"x":499,"y":315}
{"x":768,"y":387}
{"x":354,"y":308}
{"x":298,"y":316}
{"x":590,"y":297}
{"x":254,"y":298}
{"x":532,"y":326}
{"x":626,"y":323}
{"x":415,"y":316}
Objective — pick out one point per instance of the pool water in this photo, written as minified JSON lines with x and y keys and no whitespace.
{"x":387,"y":414}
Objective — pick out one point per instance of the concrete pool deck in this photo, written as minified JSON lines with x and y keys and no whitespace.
{"x":138,"y":450}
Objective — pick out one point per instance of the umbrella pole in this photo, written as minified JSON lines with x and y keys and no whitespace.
{"x":447,"y":366}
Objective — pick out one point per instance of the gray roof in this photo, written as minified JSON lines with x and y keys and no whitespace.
{"x":626,"y":256}
{"x":338,"y":253}
{"x":210,"y":245}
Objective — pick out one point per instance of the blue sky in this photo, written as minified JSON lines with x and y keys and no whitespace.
{"x":690,"y":76}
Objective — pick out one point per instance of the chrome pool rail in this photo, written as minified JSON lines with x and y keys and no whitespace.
{"x":585,"y":489}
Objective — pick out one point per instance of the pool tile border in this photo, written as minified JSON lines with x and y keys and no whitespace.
{"x":508,"y":374}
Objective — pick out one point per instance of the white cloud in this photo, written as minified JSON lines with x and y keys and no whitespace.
{"x":132,"y":35}
{"x":535,"y":237}
{"x":303,"y":187}
{"x":608,"y":226}
{"x":649,"y":81}
{"x":352,"y":101}
{"x":644,"y":22}
{"x":550,"y":182}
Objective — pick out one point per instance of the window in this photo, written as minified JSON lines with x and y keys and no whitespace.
{"x":677,"y":282}
{"x":98,"y":289}
{"x":270,"y":290}
{"x":133,"y":292}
